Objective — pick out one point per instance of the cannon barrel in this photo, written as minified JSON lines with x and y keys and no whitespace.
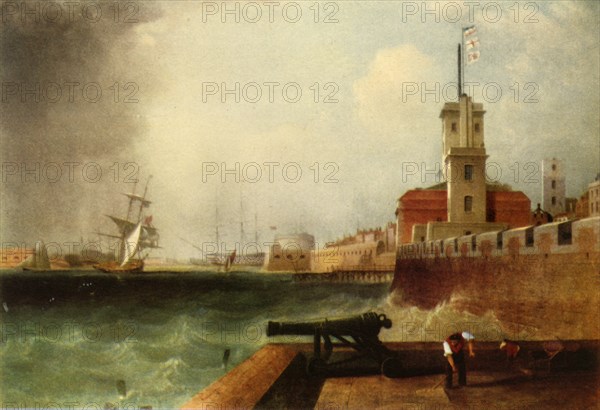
{"x":368,"y":324}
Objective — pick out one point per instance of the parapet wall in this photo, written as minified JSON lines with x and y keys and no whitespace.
{"x":579,"y":236}
{"x":360,"y":257}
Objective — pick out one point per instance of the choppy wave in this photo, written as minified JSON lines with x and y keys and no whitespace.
{"x":165,"y":336}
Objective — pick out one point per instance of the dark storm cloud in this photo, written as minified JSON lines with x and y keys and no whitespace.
{"x":71,"y":92}
{"x":59,"y":68}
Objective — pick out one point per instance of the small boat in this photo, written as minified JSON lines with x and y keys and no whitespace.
{"x":39,"y":260}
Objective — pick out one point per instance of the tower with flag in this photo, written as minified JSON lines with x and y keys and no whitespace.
{"x":464,"y":159}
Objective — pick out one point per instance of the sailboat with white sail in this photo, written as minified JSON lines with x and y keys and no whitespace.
{"x":39,"y":260}
{"x":135,"y":235}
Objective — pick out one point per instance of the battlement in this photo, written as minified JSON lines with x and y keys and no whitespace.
{"x":578,"y":236}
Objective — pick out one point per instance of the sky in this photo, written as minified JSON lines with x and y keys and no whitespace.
{"x":300,"y":116}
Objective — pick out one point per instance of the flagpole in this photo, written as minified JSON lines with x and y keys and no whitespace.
{"x":459,"y":63}
{"x":462,"y":61}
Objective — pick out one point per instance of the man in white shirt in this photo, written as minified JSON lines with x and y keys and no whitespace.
{"x":454,"y":353}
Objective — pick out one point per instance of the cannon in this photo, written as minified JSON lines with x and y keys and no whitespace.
{"x":359,"y":333}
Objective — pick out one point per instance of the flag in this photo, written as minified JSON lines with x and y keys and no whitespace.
{"x":471,"y":43}
{"x":148,"y":220}
{"x":474,"y":42}
{"x":469,"y":31}
{"x":472,"y":57}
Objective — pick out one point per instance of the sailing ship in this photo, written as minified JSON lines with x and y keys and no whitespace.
{"x":249,"y":259}
{"x":244,"y":259}
{"x":135,"y":235}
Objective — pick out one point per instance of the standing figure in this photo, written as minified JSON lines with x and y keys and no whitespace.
{"x":454,"y":353}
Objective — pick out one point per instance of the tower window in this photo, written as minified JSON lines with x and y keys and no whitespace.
{"x":553,"y":200}
{"x":477,"y":127}
{"x":453,"y":127}
{"x":553,"y":184}
{"x":553,"y":167}
{"x":468,"y":203}
{"x":468,"y":172}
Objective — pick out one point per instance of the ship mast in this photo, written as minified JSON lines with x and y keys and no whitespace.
{"x":217,"y":227}
{"x":143,"y":200}
{"x":131,"y":202}
{"x":242,"y":233}
{"x":256,"y":229}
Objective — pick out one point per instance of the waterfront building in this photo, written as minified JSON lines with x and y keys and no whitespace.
{"x":370,"y":250}
{"x":594,"y":197}
{"x":289,"y":253}
{"x":465,"y":203}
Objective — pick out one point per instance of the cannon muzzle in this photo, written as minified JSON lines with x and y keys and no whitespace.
{"x":357,"y":332}
{"x":367,"y":324}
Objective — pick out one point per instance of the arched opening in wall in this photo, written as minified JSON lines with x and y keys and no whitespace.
{"x":565,"y":235}
{"x":529,"y":237}
{"x":468,"y":172}
{"x":468,"y":203}
{"x":499,"y":241}
{"x":380,"y":248}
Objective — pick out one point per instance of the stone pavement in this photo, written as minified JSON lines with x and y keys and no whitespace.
{"x":275,"y":378}
{"x":485,"y":390}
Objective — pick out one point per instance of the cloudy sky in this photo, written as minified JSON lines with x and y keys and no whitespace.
{"x":308,"y":116}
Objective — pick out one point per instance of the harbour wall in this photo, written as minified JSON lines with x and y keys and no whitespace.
{"x":542,"y":278}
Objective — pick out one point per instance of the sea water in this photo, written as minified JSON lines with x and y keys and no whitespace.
{"x":93,"y":340}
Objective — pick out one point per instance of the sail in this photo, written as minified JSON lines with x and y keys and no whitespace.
{"x":135,"y":197}
{"x":39,"y":260}
{"x":131,"y":244}
{"x":148,"y":237}
{"x":40,"y":257}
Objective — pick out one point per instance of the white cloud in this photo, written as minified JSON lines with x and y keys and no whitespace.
{"x":385,"y":99}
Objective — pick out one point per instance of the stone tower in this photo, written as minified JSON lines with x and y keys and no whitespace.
{"x":464,"y":160}
{"x":553,"y":186}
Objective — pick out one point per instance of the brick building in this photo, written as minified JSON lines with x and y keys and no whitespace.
{"x":466,"y":203}
{"x":420,"y":206}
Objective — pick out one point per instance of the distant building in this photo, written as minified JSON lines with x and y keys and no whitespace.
{"x":553,"y":186}
{"x":13,"y":257}
{"x":464,"y":204}
{"x":570,"y":206}
{"x":369,"y":250}
{"x":289,"y":253}
{"x":594,"y":197}
{"x":582,"y":209}
{"x":540,"y":217}
{"x":387,"y":236}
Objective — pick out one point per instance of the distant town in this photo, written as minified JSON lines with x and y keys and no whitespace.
{"x":464,"y":204}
